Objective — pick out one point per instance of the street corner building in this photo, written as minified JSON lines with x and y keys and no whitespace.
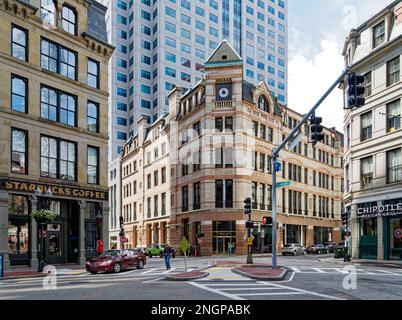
{"x":188,"y":173}
{"x":53,"y":130}
{"x":373,"y":138}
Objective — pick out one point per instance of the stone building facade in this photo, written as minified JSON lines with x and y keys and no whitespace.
{"x":373,"y":138}
{"x":220,"y":135}
{"x":53,"y":129}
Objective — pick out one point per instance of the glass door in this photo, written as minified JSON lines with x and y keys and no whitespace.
{"x":54,"y":244}
{"x":396,"y":239}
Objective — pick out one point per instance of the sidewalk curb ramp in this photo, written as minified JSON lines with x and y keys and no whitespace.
{"x":186,"y":276}
{"x":257,"y":273}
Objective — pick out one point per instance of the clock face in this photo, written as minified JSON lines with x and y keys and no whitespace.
{"x":223,"y":91}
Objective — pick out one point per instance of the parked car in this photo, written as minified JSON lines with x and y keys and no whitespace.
{"x":293,"y":249}
{"x":142,"y":249}
{"x":155,"y":250}
{"x":116,"y":260}
{"x":330,"y":246}
{"x":317,"y":248}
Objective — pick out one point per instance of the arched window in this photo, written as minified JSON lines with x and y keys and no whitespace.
{"x":48,"y":11}
{"x":263,"y":104}
{"x":68,"y":20}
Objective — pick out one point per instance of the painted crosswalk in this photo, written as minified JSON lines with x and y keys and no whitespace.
{"x":259,"y":289}
{"x":333,"y":270}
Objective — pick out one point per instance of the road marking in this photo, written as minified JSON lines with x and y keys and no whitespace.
{"x":295,"y":269}
{"x":85,"y":286}
{"x":319,"y":270}
{"x":153,"y":280}
{"x":225,"y":294}
{"x":388,"y":272}
{"x":249,"y":289}
{"x":168,"y":271}
{"x":268,"y":293}
{"x":231,"y":284}
{"x":150,"y":270}
{"x":302,"y":290}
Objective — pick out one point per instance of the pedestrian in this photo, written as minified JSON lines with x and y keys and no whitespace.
{"x":167,"y":252}
{"x":230,"y":248}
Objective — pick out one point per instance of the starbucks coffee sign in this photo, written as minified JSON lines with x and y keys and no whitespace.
{"x":380,"y":211}
{"x":57,"y":190}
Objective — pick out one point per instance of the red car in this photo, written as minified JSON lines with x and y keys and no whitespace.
{"x":116,"y":260}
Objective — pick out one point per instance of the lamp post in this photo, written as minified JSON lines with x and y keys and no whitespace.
{"x":42,"y":204}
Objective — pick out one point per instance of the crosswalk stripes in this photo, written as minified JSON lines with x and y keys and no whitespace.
{"x":333,"y":270}
{"x":243,"y":291}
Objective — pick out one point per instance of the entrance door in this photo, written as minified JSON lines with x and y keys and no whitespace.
{"x":221,"y":244}
{"x":54,"y":245}
{"x":395,"y":250}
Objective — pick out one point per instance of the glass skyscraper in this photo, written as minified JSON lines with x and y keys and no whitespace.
{"x":164,"y":43}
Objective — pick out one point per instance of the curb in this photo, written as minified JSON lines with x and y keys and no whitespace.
{"x":23,"y":277}
{"x":265,"y":278}
{"x":174,"y":278}
{"x":367,"y":264}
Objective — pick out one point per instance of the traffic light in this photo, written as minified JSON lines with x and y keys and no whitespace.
{"x":247,"y":206}
{"x":121,"y":220}
{"x":266,"y":221}
{"x":344,"y":217}
{"x":316,"y":129}
{"x":355,"y":91}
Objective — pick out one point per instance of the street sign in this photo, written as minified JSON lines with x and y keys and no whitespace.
{"x":278,"y":166}
{"x":283,"y":184}
{"x":184,"y":244}
{"x":123,"y":239}
{"x":295,"y":141}
{"x":249,"y":241}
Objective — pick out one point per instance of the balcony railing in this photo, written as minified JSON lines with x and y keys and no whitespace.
{"x":224,"y":104}
{"x":367,"y":180}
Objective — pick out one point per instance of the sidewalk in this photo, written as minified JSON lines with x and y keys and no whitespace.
{"x":27,"y":272}
{"x":367,"y":262}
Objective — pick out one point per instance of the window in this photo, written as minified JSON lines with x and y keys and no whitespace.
{"x":58,"y":59}
{"x":219,"y":193}
{"x":156,"y":210}
{"x":366,"y":172}
{"x":228,"y":124}
{"x":92,"y":116}
{"x":58,"y":106}
{"x":367,"y":126}
{"x":48,"y":11}
{"x":394,"y":116}
{"x":163,"y":174}
{"x":19,"y":43}
{"x":378,"y":34}
{"x":19,"y":151}
{"x":58,"y":159}
{"x":92,"y":165}
{"x":19,"y":94}
{"x":68,"y":20}
{"x":93,"y":73}
{"x":394,"y":166}
{"x":393,"y":71}
{"x":184,"y":198}
{"x":367,"y":84}
{"x":229,"y":193}
{"x":263,"y":104}
{"x":197,"y":196}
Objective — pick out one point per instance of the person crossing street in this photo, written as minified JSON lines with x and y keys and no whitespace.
{"x":167,"y":252}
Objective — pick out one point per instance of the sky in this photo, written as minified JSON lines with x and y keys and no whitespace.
{"x":317,"y":32}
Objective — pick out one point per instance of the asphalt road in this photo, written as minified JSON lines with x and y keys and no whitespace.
{"x":307,"y":279}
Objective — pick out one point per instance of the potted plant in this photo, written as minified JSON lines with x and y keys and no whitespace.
{"x":44,"y":215}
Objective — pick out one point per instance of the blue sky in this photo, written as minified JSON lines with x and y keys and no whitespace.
{"x":317,"y":31}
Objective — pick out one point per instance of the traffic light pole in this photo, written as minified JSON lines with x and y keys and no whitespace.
{"x":275,"y":155}
{"x":249,"y":247}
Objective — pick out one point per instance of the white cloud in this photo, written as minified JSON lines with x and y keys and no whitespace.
{"x":310,"y":78}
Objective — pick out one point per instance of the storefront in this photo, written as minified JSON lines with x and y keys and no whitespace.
{"x":380,"y":226}
{"x":223,"y":233}
{"x":322,"y":234}
{"x":71,"y":238}
{"x":294,"y":234}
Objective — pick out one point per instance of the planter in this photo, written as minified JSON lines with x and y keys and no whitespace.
{"x":44,"y":216}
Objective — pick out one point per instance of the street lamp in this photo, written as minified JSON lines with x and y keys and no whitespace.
{"x":39,"y":194}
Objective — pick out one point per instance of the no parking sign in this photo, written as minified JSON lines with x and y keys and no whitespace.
{"x":398,"y":233}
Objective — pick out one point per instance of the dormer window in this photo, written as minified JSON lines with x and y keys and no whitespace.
{"x":48,"y":11}
{"x":379,"y":34}
{"x":68,"y":20}
{"x":263,"y":104}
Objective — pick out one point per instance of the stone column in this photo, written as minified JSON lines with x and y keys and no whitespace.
{"x":380,"y":238}
{"x":310,"y":236}
{"x":355,"y":236}
{"x":81,"y":258}
{"x":4,"y":228}
{"x":105,"y":225}
{"x":34,"y":236}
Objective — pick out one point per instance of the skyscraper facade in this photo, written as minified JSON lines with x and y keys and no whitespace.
{"x":163,"y":44}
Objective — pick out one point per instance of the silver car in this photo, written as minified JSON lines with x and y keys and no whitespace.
{"x":293,"y":249}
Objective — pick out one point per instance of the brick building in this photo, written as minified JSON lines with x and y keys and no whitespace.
{"x":53,"y":129}
{"x":220,"y":137}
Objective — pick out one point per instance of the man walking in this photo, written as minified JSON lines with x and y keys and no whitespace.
{"x":230,"y":247}
{"x":167,"y":252}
